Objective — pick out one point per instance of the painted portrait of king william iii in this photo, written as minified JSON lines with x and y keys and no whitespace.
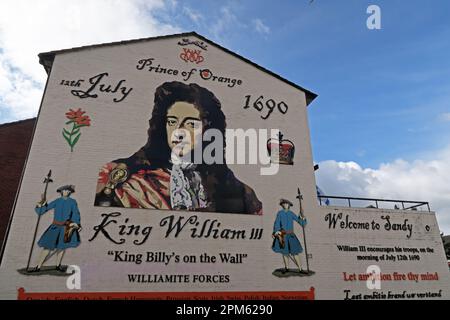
{"x":163,"y":175}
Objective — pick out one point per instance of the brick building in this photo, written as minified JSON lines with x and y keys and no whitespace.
{"x":15,"y":139}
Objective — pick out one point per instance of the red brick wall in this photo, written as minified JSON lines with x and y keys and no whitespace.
{"x":15,"y":139}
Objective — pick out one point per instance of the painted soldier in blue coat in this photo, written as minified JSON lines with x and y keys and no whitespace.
{"x":285,"y":241}
{"x":63,"y":233}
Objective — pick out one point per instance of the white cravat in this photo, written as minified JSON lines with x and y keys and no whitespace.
{"x":186,"y":189}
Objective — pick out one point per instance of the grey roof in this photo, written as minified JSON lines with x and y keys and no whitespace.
{"x":47,"y":58}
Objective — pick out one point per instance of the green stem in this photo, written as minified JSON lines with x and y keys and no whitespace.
{"x":71,"y":135}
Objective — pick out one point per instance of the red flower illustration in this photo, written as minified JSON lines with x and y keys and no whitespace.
{"x":78,"y":120}
{"x":73,"y":115}
{"x":83,"y":121}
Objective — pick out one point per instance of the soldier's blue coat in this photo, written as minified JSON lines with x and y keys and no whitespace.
{"x":285,"y":221}
{"x":64,"y":209}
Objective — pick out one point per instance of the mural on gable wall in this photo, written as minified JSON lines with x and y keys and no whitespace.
{"x":149,"y":209}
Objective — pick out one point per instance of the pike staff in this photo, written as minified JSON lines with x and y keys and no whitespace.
{"x":47,"y":180}
{"x":300,"y":198}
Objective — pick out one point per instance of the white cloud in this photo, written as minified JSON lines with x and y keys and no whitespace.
{"x":195,"y":16}
{"x":231,"y":20}
{"x":226,"y":20}
{"x":29,"y":27}
{"x":422,"y":180}
{"x":260,"y":26}
{"x":19,"y":92}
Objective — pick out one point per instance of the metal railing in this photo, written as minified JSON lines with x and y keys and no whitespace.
{"x":410,"y":205}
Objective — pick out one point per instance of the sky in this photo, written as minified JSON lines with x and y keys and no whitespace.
{"x":380,"y":126}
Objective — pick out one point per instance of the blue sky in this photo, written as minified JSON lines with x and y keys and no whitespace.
{"x":382,"y":93}
{"x":383,"y":110}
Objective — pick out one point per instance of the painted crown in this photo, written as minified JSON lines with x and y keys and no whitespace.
{"x":286,"y":150}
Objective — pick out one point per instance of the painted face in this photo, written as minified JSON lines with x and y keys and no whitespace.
{"x":183,"y":127}
{"x":65,"y":193}
{"x":285,"y":206}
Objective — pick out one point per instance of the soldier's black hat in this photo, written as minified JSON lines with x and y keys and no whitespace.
{"x":282,"y":201}
{"x":69,"y":187}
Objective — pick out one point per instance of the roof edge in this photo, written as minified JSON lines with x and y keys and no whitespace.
{"x":7,"y":124}
{"x":46,"y":58}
